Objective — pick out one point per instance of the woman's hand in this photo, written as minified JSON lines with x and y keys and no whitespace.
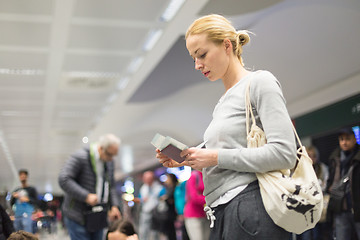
{"x":168,"y":162}
{"x":199,"y":158}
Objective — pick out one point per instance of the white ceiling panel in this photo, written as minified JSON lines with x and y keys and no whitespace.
{"x":22,"y":129}
{"x":96,"y":63}
{"x":30,"y":137}
{"x":27,"y":7}
{"x":135,"y":10}
{"x":19,"y":114}
{"x":90,"y":97}
{"x":227,"y":7}
{"x":12,"y":125}
{"x":20,"y":94}
{"x":74,"y":112}
{"x":26,"y":61}
{"x":24,"y":34}
{"x":13,"y":80}
{"x":102,"y":37}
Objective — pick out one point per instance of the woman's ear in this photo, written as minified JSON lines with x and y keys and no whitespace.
{"x":227,"y":45}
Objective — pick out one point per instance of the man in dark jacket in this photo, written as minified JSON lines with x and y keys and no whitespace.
{"x":88,"y":181}
{"x":346,"y":157}
{"x":24,"y":200}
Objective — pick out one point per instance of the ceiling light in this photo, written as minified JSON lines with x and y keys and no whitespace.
{"x":123,"y":83}
{"x":112,"y":98}
{"x":74,"y":114}
{"x":93,"y":74}
{"x":171,"y":10}
{"x":105,"y":109}
{"x":154,"y":36}
{"x":97,"y":120}
{"x":135,"y":64}
{"x":10,"y":113}
{"x":21,"y":71}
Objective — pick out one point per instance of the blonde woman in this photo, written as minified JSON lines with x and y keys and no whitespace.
{"x":231,"y":191}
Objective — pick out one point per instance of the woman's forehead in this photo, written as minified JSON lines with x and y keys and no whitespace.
{"x":195,"y":42}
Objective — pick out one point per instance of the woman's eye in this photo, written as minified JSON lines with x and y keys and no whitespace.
{"x":202,"y":56}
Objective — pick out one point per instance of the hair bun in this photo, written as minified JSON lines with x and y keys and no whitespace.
{"x":243,"y":37}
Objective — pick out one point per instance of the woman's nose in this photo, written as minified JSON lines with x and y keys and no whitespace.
{"x":198,"y":65}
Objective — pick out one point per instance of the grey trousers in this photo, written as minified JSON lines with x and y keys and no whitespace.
{"x":245,"y":218}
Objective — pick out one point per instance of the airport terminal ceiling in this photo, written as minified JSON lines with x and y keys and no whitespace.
{"x":71,"y":69}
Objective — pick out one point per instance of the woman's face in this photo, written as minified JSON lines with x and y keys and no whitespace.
{"x":209,"y":58}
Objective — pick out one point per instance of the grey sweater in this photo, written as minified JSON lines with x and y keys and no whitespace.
{"x":227,"y":133}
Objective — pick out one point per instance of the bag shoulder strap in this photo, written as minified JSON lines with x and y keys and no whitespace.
{"x":249,"y":112}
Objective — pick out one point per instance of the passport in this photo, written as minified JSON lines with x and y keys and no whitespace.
{"x":169,"y":146}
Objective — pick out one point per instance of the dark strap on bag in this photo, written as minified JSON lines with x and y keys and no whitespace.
{"x":105,"y":180}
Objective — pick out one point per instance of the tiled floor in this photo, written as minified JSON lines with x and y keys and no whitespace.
{"x":59,"y":233}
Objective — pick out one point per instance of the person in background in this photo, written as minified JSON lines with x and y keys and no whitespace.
{"x":149,"y":199}
{"x":166,"y":223}
{"x":6,"y":225}
{"x":345,"y":156}
{"x":87,"y":179}
{"x":121,"y":230}
{"x":320,"y":231}
{"x":22,"y":235}
{"x":180,"y":200}
{"x":233,"y":201}
{"x":195,"y":218}
{"x":23,"y":201}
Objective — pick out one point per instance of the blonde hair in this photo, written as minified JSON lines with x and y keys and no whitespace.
{"x":217,"y":28}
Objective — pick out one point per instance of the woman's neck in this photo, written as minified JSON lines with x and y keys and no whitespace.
{"x":234,"y":74}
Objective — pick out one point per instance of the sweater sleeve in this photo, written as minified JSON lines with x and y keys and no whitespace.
{"x":280,"y":150}
{"x":68,"y":176}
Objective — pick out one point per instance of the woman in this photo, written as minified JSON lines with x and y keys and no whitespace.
{"x":164,"y":221}
{"x":195,"y":218}
{"x":231,"y":188}
{"x":121,"y":230}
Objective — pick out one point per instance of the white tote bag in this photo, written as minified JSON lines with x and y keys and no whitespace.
{"x":292,"y":197}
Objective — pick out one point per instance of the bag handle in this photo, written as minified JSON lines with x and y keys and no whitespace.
{"x":248,"y":111}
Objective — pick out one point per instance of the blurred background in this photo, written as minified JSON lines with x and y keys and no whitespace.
{"x":72,"y":70}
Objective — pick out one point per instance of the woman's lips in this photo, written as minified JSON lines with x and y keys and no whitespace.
{"x":206,"y":73}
